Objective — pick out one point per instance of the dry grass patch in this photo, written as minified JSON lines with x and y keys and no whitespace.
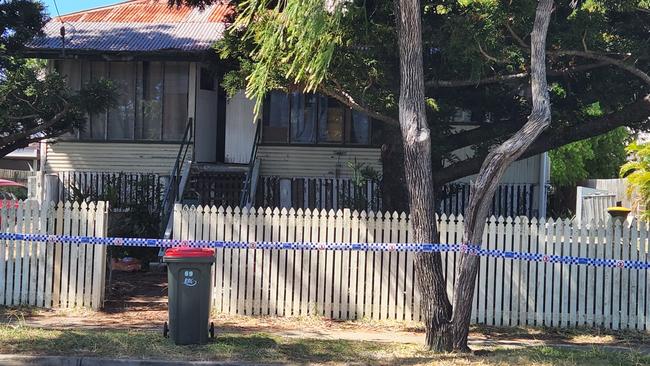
{"x":265,"y":348}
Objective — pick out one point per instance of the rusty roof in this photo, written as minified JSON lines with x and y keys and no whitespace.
{"x":137,"y":26}
{"x":150,"y":11}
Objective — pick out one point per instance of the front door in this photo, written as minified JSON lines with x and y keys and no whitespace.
{"x":207,"y":108}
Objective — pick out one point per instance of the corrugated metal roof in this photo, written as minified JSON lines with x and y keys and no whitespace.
{"x":137,"y":26}
{"x":150,"y":11}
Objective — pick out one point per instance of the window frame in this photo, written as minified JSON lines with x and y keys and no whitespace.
{"x":139,"y":95}
{"x":347,"y":121}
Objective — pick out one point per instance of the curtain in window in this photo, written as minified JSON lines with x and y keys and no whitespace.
{"x":331,"y":120}
{"x":150,"y":93}
{"x":304,"y":111}
{"x":359,"y":128}
{"x":276,"y":118}
{"x":97,"y":124}
{"x":175,"y":98}
{"x":121,"y":118}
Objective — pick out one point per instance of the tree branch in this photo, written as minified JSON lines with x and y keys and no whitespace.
{"x":587,"y":54}
{"x":635,"y":114}
{"x":505,"y":78}
{"x":348,"y":100}
{"x":41,"y":127}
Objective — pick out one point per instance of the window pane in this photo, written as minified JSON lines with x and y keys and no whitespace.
{"x":121,"y":118}
{"x":71,"y":71}
{"x":149,"y":126}
{"x":359,"y":128}
{"x":304,"y":109}
{"x":84,"y":131}
{"x":176,"y":86}
{"x":276,"y":118}
{"x":97,"y":125}
{"x":331,"y":118}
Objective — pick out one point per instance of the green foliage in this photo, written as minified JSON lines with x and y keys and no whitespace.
{"x":597,"y":157}
{"x":20,"y":21}
{"x":637,"y":173}
{"x":301,"y":34}
{"x":135,"y":215}
{"x":362,"y":175}
{"x":35,"y":104}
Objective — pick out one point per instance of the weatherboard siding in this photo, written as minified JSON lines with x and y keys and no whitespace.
{"x":314,"y":161}
{"x":521,"y":171}
{"x":110,"y":157}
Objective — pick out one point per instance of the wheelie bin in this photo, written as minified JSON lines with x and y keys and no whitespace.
{"x":190,"y":294}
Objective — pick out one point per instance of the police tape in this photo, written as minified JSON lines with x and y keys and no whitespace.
{"x":470,"y":249}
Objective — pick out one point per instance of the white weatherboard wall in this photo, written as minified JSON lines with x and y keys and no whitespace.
{"x":53,"y":274}
{"x":240,"y":129}
{"x":315,"y":161}
{"x":110,"y":157}
{"x":381,"y":285}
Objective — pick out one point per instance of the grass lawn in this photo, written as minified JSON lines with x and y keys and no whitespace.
{"x":17,"y":339}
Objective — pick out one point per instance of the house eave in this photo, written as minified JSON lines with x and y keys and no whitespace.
{"x":106,"y":55}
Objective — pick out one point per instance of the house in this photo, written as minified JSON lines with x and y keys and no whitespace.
{"x":169,"y":79}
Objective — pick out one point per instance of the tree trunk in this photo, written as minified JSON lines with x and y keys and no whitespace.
{"x":492,"y":171}
{"x":417,"y":165}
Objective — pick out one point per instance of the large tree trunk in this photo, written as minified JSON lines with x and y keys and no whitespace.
{"x":492,"y":171}
{"x":417,"y":164}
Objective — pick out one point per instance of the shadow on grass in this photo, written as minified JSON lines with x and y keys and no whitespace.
{"x":565,"y":335}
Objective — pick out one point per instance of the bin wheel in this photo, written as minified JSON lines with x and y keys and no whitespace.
{"x":212,"y":330}
{"x":165,"y":330}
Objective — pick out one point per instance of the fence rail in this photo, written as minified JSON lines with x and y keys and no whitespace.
{"x":381,"y":285}
{"x":317,"y":193}
{"x":122,"y":189}
{"x":51,"y":274}
{"x":509,"y":200}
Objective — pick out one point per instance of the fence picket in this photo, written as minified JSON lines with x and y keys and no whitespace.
{"x":610,"y":239}
{"x":642,"y":284}
{"x":625,"y":278}
{"x":26,"y":255}
{"x":356,"y":263}
{"x":616,"y":276}
{"x":633,"y":247}
{"x":583,"y":283}
{"x":343,"y":236}
{"x":508,"y":275}
{"x":541,"y":247}
{"x":337,"y":257}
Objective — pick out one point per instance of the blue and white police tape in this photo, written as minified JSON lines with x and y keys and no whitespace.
{"x":367,"y":247}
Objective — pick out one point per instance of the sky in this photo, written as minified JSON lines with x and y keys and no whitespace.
{"x":70,"y":6}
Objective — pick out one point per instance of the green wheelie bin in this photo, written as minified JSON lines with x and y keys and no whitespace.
{"x":190,"y":294}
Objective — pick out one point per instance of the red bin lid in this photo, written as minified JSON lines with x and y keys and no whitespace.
{"x":185,"y":252}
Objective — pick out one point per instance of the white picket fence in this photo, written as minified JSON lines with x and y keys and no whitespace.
{"x":52,"y":274}
{"x":381,"y":285}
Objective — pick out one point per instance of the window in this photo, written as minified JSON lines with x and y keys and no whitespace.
{"x":151,"y":104}
{"x":121,"y":117}
{"x":152,"y":100}
{"x":301,"y":118}
{"x":176,"y":86}
{"x":97,"y":122}
{"x":276,"y":118}
{"x":207,"y":79}
{"x":304,"y":111}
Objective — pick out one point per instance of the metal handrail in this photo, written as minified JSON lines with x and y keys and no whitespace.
{"x":172,"y":192}
{"x":248,"y":186}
